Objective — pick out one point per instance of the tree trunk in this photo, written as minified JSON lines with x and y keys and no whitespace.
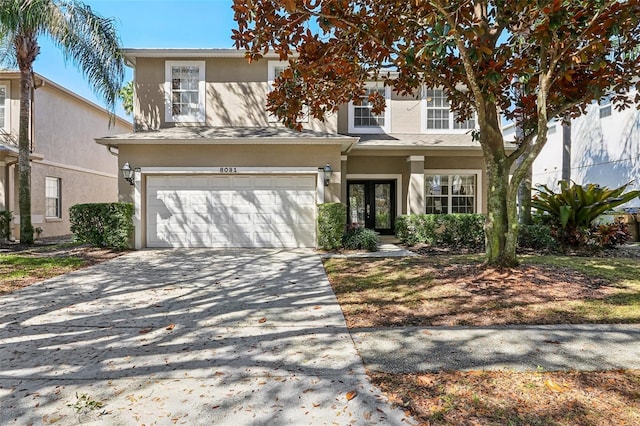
{"x":501,"y":226}
{"x":27,"y":49}
{"x":524,"y":196}
{"x":24,"y":166}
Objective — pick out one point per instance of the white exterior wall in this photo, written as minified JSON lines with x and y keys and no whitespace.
{"x":605,"y":151}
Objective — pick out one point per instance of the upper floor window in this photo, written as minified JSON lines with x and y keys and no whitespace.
{"x":438,"y":116}
{"x":4,"y":107}
{"x":275,"y":69}
{"x":451,"y":193}
{"x":361,"y":117}
{"x":605,"y":106}
{"x":185,"y":91}
{"x":53,"y":206}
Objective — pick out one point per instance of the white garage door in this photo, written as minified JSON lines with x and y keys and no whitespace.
{"x":231,"y":211}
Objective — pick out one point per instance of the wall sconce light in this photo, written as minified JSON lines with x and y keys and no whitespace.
{"x":327,"y":174}
{"x":127,"y":173}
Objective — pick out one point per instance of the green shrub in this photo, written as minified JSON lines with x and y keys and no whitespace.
{"x":5,"y":223}
{"x":537,"y":237}
{"x":103,"y":224}
{"x":358,"y":238}
{"x":573,"y":209}
{"x":447,"y":230}
{"x":332,"y":221}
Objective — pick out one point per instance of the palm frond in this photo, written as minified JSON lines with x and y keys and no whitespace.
{"x":91,"y":42}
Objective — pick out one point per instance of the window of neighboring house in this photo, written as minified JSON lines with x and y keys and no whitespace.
{"x":363,"y":120}
{"x":451,"y":193}
{"x":53,"y":206}
{"x":275,"y":69}
{"x":438,"y":114}
{"x":605,"y":106}
{"x":185,"y":91}
{"x":4,"y":107}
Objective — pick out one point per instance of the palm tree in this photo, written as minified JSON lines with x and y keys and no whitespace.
{"x":85,"y":38}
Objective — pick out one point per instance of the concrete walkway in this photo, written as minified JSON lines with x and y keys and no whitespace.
{"x":519,"y":348}
{"x":185,"y":337}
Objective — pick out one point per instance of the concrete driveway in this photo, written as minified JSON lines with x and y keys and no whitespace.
{"x":184,"y":337}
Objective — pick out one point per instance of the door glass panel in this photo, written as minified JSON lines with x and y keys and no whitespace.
{"x":383,"y":205}
{"x":357,"y":204}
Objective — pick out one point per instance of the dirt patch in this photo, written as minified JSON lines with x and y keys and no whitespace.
{"x":440,"y":291}
{"x":501,"y":398}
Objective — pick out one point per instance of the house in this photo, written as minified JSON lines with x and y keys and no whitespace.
{"x":67,"y":167}
{"x":601,"y":147}
{"x":212,"y":168}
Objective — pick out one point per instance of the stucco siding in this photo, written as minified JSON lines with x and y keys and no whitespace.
{"x":236,"y":94}
{"x":405,"y":114}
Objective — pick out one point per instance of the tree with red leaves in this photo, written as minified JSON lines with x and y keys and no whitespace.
{"x":530,"y":61}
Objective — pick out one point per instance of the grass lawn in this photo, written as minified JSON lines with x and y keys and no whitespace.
{"x":22,"y":268}
{"x":450,"y":290}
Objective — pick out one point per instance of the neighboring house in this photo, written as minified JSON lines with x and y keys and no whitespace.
{"x":214,"y":169}
{"x":604,"y":149}
{"x":67,"y":167}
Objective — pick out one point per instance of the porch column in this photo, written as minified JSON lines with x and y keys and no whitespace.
{"x":415,"y":191}
{"x":343,"y":179}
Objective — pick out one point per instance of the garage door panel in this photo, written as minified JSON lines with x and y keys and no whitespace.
{"x":220,"y":197}
{"x":200,"y":239}
{"x":231,"y":211}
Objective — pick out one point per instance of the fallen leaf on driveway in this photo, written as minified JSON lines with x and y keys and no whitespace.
{"x":171,"y":327}
{"x":262,"y":320}
{"x":351,"y":394}
{"x":145,"y":331}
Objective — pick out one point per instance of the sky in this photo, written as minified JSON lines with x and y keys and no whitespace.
{"x":146,"y":24}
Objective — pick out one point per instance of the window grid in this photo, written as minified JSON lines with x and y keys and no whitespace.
{"x":450,"y":194}
{"x":437,"y":109}
{"x":185,"y":82}
{"x":362,"y":115}
{"x":468,"y":124}
{"x":52,"y":197}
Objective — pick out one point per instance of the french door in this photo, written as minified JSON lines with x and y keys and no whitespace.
{"x":372,"y":204}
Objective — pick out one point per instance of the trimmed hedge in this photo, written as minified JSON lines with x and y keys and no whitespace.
{"x":450,"y":230}
{"x":103,"y":224}
{"x":359,"y":238}
{"x":332,"y":221}
{"x":537,"y":237}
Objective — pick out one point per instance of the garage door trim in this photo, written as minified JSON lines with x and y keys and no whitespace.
{"x":219,"y":170}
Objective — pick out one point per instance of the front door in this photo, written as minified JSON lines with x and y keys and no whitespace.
{"x":372,"y":204}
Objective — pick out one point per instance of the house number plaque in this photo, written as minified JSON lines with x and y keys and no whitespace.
{"x":228,"y":170}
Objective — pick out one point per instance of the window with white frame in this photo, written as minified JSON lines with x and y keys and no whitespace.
{"x":53,"y":204}
{"x":438,"y":116}
{"x":454,"y":193}
{"x":275,"y":69}
{"x":361,"y":117}
{"x":185,"y":91}
{"x":4,"y":107}
{"x":605,"y":106}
